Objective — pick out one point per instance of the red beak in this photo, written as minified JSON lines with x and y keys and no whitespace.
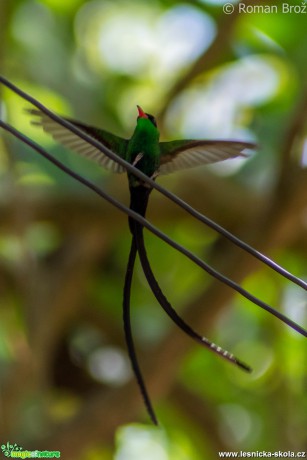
{"x":142,"y":114}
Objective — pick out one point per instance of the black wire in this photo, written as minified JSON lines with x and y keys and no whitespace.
{"x":266,"y":260}
{"x":156,"y":231}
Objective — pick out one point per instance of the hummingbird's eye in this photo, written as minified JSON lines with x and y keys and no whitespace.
{"x":152,"y":119}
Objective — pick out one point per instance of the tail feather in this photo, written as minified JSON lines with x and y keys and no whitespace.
{"x":167,"y":307}
{"x":128,"y":333}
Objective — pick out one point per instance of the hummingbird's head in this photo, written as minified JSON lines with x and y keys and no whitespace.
{"x":142,"y":114}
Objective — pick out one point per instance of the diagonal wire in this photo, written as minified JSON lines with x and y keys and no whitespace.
{"x":258,"y":255}
{"x":211,"y":271}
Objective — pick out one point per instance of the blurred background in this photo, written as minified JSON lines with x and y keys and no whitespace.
{"x":65,"y":378}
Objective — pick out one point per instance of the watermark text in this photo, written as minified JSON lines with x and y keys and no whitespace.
{"x":284,"y":8}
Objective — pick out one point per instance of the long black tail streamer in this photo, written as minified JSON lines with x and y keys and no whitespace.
{"x":139,"y":237}
{"x":128,"y":332}
{"x":138,"y":203}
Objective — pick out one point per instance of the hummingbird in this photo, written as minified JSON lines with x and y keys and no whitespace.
{"x":147,"y":153}
{"x":143,"y":150}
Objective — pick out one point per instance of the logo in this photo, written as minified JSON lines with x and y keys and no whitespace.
{"x":15,"y":451}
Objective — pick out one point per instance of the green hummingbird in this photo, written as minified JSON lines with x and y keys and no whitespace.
{"x":152,"y":157}
{"x":143,"y":150}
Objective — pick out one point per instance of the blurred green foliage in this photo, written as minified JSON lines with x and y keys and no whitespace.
{"x":65,"y":380}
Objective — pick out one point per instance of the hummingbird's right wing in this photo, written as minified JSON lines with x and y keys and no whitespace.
{"x":80,"y":146}
{"x":188,"y":153}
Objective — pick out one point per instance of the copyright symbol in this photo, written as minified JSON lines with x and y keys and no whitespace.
{"x":228,"y":8}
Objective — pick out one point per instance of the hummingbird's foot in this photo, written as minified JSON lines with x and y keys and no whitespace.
{"x":155,"y":174}
{"x":137,"y":159}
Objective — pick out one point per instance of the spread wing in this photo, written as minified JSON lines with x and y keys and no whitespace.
{"x":76,"y":144}
{"x":188,"y":153}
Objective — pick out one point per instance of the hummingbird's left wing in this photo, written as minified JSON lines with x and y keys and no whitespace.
{"x":187,"y":153}
{"x":70,"y":140}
